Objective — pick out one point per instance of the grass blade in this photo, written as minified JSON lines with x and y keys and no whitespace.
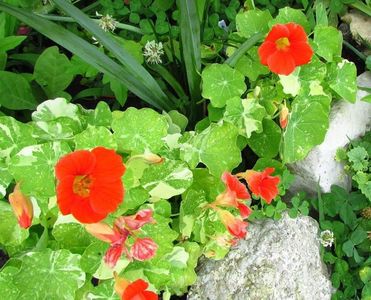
{"x":91,"y":55}
{"x":140,"y":76}
{"x":191,"y":47}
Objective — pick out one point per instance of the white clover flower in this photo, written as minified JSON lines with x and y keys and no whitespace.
{"x":153,"y":51}
{"x":107,"y":23}
{"x":327,"y":238}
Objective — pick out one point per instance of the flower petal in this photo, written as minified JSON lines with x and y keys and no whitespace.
{"x":281,"y":63}
{"x":105,"y":197}
{"x":137,"y":291}
{"x":296,"y":33}
{"x":234,"y":185}
{"x":109,"y":165}
{"x":245,"y":211}
{"x":113,"y":254}
{"x":65,"y":194}
{"x":278,"y":31}
{"x":301,"y":52}
{"x":143,"y":249}
{"x":265,"y":50}
{"x":103,"y":232}
{"x":80,"y":162}
{"x":84,"y":213}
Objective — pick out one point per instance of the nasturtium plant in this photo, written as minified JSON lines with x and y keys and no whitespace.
{"x":123,"y":162}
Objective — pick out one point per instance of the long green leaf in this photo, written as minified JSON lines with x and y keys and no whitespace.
{"x":92,"y":55}
{"x":191,"y":47}
{"x":140,"y":76}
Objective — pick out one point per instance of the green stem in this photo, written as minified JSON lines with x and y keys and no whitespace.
{"x":356,"y":52}
{"x":249,"y":4}
{"x":71,"y":20}
{"x":234,"y":58}
{"x":44,"y":238}
{"x":362,"y":7}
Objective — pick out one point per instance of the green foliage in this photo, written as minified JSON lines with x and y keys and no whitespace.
{"x":344,"y":214}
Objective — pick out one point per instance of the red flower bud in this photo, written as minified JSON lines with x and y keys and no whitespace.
{"x":136,"y":221}
{"x":235,"y":226}
{"x":22,"y":207}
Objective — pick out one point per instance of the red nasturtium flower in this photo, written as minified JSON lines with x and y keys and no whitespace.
{"x":235,"y":226}
{"x":136,"y":290}
{"x":89,"y":184}
{"x":285,"y":47}
{"x":142,"y":249}
{"x":22,"y":207}
{"x":262,"y":184}
{"x":234,"y":195}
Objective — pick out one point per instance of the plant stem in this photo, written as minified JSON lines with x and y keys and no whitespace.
{"x":234,"y":58}
{"x":71,"y":20}
{"x":356,"y":51}
{"x":249,"y":4}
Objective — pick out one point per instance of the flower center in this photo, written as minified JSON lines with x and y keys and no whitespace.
{"x":282,"y":43}
{"x":81,"y":185}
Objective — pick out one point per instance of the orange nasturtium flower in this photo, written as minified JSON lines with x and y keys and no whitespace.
{"x":285,"y":47}
{"x":22,"y":207}
{"x":89,"y":184}
{"x":262,"y":184}
{"x":136,"y":290}
{"x":235,"y":225}
{"x":234,"y":196}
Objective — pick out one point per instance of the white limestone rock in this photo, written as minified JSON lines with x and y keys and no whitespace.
{"x":279,"y":260}
{"x":347,"y":122}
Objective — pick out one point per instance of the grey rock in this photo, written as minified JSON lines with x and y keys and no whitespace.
{"x":279,"y":260}
{"x":347,"y":122}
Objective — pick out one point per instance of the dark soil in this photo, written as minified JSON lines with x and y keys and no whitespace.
{"x":3,"y":258}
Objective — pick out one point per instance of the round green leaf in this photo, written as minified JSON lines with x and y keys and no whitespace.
{"x":11,"y":233}
{"x":219,"y":151}
{"x":14,"y":136}
{"x":343,"y":80}
{"x":266,"y":144}
{"x":104,"y":291}
{"x":253,"y":21}
{"x":92,"y":256}
{"x":101,"y":115}
{"x":220,"y":83}
{"x":245,"y":114}
{"x":95,"y":136}
{"x":53,"y":71}
{"x":288,"y":14}
{"x":49,"y":275}
{"x":328,"y":41}
{"x":72,"y":236}
{"x":8,"y":290}
{"x":167,"y":179}
{"x":34,"y":167}
{"x":15,"y":92}
{"x":138,"y":130}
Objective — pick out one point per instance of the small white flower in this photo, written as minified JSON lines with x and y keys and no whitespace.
{"x":107,"y":23}
{"x":153,"y":51}
{"x":327,"y":238}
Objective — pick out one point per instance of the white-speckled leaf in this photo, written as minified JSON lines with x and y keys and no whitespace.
{"x":49,"y":275}
{"x":220,"y":83}
{"x":288,"y":14}
{"x":57,"y":108}
{"x":306,"y":128}
{"x":34,"y":167}
{"x":100,"y":116}
{"x":138,"y":130}
{"x":219,"y":151}
{"x":14,"y":136}
{"x":95,"y":136}
{"x":5,"y":179}
{"x":167,"y":179}
{"x":328,"y":41}
{"x":72,"y":236}
{"x":253,"y":21}
{"x":8,"y":290}
{"x":343,"y":80}
{"x":245,"y":114}
{"x":11,"y":233}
